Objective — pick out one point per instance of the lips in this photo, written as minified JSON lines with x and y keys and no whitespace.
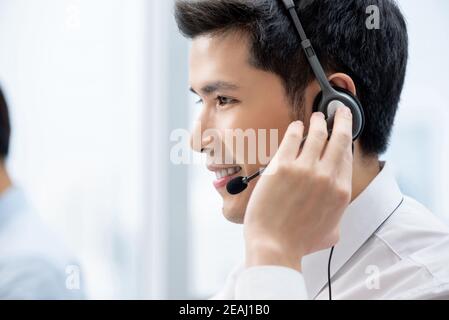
{"x":224,"y":175}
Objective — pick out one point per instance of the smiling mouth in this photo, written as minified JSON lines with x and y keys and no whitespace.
{"x":225,"y":175}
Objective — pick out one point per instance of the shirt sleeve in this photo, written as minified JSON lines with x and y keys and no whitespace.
{"x":270,"y":283}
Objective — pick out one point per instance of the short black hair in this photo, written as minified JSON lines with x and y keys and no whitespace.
{"x":5,"y":127}
{"x":376,"y":59}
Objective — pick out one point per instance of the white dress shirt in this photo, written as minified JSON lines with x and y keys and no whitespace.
{"x":33,"y":262}
{"x":391,"y":247}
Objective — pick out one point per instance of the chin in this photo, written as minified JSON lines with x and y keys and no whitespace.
{"x":234,"y":216}
{"x":234,"y":207}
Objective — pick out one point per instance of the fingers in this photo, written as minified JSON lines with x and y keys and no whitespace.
{"x":338,"y":153}
{"x":344,"y":169}
{"x":339,"y":149}
{"x":316,"y":140}
{"x":289,"y":148}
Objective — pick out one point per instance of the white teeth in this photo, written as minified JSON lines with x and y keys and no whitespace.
{"x":227,"y":172}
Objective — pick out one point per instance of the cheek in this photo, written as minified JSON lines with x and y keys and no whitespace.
{"x":253,"y":125}
{"x":258,"y":141}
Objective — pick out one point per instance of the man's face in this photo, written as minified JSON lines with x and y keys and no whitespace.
{"x":234,"y":95}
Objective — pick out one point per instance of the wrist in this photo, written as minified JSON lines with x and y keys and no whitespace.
{"x":264,"y":254}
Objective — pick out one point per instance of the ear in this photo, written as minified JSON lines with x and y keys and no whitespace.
{"x":343,"y":81}
{"x":340,"y":80}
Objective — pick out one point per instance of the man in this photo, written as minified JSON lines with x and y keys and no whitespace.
{"x":248,"y":69}
{"x":33,"y":263}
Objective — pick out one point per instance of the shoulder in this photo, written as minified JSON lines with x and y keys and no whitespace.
{"x":26,"y":234}
{"x":33,"y":277}
{"x":419,"y":241}
{"x":33,"y":259}
{"x":413,"y":230}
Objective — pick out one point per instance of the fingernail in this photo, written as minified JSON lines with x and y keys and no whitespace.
{"x":296,"y":123}
{"x":319,"y":115}
{"x":345,"y":111}
{"x":299,"y":123}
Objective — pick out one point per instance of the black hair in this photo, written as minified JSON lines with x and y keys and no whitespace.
{"x":376,"y":59}
{"x":5,"y":127}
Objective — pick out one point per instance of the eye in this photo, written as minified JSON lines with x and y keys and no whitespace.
{"x":224,"y":101}
{"x":200,"y":101}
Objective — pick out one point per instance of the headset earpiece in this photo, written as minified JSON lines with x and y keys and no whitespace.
{"x":324,"y":104}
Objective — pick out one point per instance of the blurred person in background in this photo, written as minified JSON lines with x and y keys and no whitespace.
{"x":33,"y":262}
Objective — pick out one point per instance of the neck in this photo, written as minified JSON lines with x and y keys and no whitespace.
{"x":365,"y":169}
{"x":5,"y":181}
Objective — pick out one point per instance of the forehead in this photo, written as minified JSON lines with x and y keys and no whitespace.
{"x":219,"y":57}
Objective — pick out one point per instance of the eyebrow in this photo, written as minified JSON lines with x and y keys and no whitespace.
{"x":216,"y":86}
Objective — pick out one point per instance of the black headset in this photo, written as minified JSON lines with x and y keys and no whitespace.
{"x":324,"y":102}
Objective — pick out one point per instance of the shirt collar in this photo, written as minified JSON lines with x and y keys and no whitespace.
{"x":360,"y":220}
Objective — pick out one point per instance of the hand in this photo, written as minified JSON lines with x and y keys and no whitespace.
{"x":296,"y":206}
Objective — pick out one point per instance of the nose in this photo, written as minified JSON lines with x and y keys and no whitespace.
{"x":199,"y":141}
